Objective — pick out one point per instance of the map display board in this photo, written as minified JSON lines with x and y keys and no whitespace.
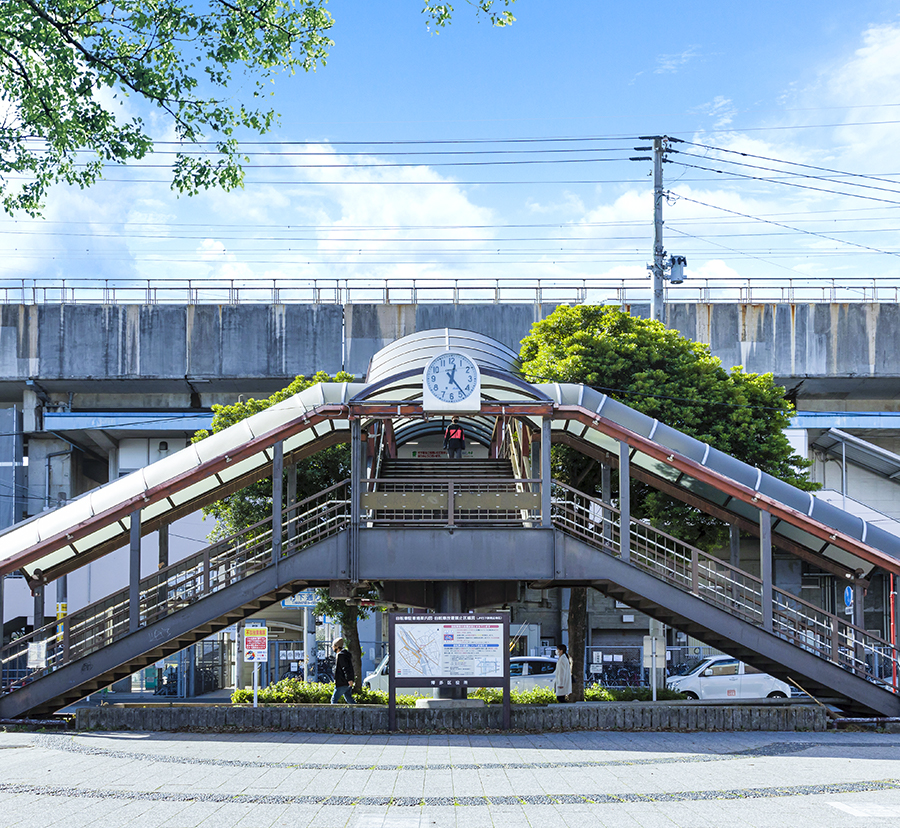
{"x":431,"y":650}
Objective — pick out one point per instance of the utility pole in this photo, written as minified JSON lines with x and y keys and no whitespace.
{"x":658,"y":267}
{"x":661,"y":269}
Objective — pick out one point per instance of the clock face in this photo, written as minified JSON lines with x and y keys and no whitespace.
{"x":451,"y":377}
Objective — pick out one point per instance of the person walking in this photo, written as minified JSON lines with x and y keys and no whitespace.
{"x":562,"y":676}
{"x":344,"y":676}
{"x":455,"y":439}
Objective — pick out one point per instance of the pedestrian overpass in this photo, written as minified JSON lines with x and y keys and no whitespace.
{"x":450,"y":536}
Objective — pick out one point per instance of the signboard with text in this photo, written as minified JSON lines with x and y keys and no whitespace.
{"x":256,"y":644}
{"x":432,"y":650}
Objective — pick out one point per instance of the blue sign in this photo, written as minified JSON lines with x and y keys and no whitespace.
{"x":305,"y":598}
{"x":848,"y":596}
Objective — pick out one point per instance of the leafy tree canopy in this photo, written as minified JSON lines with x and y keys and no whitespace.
{"x":664,"y":375}
{"x":64,"y":63}
{"x":254,"y":503}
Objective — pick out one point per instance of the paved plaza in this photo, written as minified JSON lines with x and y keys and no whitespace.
{"x":820,"y":780}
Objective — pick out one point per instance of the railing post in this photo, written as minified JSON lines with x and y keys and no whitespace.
{"x":625,"y":501}
{"x":606,"y":497}
{"x":350,"y":570}
{"x":451,"y":502}
{"x":291,"y":501}
{"x":38,"y":595}
{"x":206,"y":578}
{"x":134,"y":573}
{"x":545,"y":473}
{"x":65,"y":640}
{"x":765,"y":567}
{"x":734,"y":558}
{"x":859,"y":621}
{"x":277,"y":507}
{"x":695,"y":571}
{"x":163,"y":537}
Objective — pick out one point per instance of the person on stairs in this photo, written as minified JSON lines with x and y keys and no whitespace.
{"x":455,"y":439}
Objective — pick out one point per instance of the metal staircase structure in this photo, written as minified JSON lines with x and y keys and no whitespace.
{"x":395,"y":523}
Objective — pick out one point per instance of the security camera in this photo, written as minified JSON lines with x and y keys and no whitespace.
{"x":677,"y":265}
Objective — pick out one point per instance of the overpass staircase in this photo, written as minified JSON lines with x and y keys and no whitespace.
{"x":179,"y":605}
{"x":645,"y":568}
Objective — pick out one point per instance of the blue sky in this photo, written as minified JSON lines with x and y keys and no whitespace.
{"x":814,"y":84}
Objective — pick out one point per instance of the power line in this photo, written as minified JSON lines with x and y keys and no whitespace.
{"x":786,"y":226}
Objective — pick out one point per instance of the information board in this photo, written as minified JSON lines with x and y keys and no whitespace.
{"x":430,"y":650}
{"x":256,"y":644}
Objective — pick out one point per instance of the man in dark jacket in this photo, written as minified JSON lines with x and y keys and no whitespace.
{"x":455,"y":439}
{"x":344,"y":676}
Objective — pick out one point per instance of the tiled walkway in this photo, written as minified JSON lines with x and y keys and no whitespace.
{"x":823,"y":780}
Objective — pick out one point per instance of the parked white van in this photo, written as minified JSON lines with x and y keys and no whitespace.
{"x":525,"y":673}
{"x":724,"y":677}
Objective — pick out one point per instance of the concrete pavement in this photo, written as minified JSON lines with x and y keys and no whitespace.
{"x":795,"y":780}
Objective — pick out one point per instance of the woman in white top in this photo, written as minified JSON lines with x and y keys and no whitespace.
{"x":562,"y":676}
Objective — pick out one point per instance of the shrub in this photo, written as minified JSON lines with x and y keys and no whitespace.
{"x":297,"y":691}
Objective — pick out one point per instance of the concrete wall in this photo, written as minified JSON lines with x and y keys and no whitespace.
{"x":151,"y":342}
{"x":370,"y":719}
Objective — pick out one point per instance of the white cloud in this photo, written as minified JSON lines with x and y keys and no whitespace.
{"x":671,"y":63}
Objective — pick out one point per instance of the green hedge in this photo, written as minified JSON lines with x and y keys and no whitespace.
{"x":295,"y":691}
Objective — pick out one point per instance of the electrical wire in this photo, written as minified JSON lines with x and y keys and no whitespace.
{"x":786,"y":226}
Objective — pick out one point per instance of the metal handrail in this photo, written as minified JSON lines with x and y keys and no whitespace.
{"x":421,"y":290}
{"x":447,"y":510}
{"x":719,"y":583}
{"x":170,"y":589}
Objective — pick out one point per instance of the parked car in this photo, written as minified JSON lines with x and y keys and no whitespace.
{"x":525,"y":673}
{"x":724,"y":677}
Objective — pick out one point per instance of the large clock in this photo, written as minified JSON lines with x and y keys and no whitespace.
{"x":452,"y":382}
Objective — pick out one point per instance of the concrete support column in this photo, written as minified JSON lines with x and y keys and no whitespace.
{"x":277,"y":493}
{"x":134,"y":572}
{"x":625,"y":501}
{"x":765,"y":567}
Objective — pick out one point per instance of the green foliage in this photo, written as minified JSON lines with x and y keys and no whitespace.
{"x":254,"y":503}
{"x":664,"y":375}
{"x":627,"y":694}
{"x":66,"y":65}
{"x":297,"y":691}
{"x":440,"y":14}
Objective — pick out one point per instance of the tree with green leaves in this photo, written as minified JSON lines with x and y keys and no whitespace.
{"x":661,"y":373}
{"x":66,"y":67}
{"x":253,"y":504}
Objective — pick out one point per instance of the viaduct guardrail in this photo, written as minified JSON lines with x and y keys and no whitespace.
{"x":600,"y":290}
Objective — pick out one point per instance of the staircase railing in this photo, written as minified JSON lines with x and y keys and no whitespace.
{"x":423,"y":501}
{"x":173,"y":588}
{"x":721,"y":584}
